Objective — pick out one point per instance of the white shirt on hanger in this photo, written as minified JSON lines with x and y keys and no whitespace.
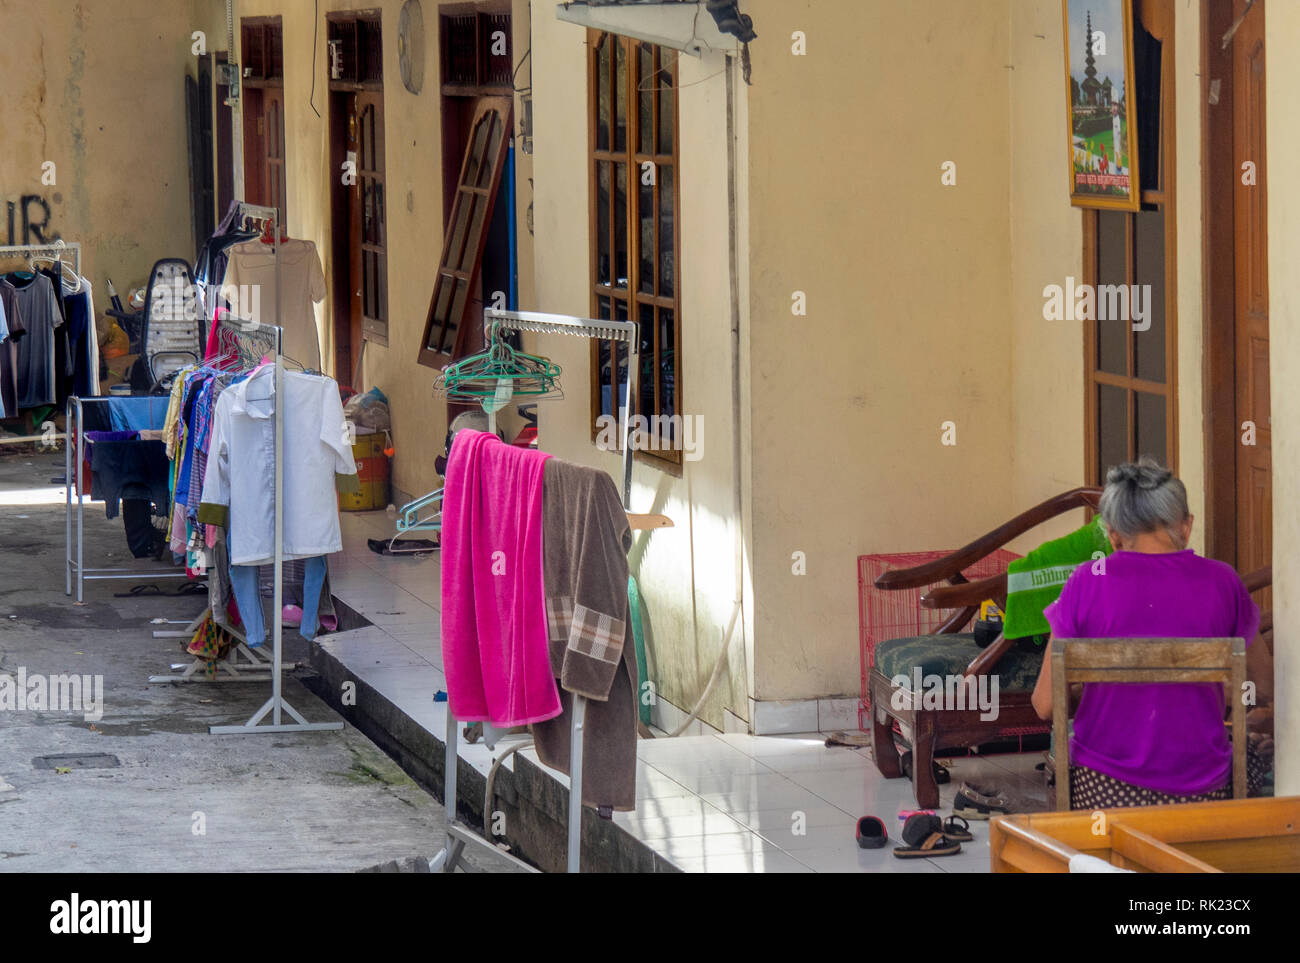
{"x":252,"y":267}
{"x":240,"y":472}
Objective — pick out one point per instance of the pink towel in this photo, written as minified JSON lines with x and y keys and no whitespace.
{"x":494,"y":636}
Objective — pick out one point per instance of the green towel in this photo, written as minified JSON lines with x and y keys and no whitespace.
{"x":1035,"y":581}
{"x":638,"y":639}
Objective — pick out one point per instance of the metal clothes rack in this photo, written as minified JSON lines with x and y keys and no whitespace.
{"x":54,"y":249}
{"x":249,"y":339}
{"x":74,"y":419}
{"x":620,"y":332}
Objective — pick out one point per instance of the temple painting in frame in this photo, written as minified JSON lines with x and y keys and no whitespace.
{"x":1099,"y":79}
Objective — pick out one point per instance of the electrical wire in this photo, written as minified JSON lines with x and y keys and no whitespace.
{"x":315,"y":38}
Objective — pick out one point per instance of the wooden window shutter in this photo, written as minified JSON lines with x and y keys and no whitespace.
{"x":467,"y":229}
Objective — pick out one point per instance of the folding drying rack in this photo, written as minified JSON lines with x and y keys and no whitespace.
{"x":619,"y":332}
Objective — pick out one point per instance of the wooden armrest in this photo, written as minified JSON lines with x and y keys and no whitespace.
{"x":952,"y":563}
{"x":1261,"y":578}
{"x":966,"y":593}
{"x":983,"y":663}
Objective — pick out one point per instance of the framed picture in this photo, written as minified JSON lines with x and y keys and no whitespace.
{"x":1101,"y":106}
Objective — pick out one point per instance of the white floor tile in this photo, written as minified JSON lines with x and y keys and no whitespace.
{"x":761,"y":862}
{"x":716,"y":844}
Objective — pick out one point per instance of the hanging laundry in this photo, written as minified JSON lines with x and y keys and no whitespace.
{"x":9,"y":350}
{"x":494,"y":647}
{"x":4,"y":338}
{"x":39,"y":308}
{"x":586,"y":538}
{"x":252,"y":269}
{"x":83,"y":340}
{"x":236,"y":494}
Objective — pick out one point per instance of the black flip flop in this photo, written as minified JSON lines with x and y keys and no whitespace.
{"x":957,"y":829}
{"x":871,"y":833}
{"x":923,"y":833}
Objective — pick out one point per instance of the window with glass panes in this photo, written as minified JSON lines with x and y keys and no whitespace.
{"x":1130,"y":383}
{"x":634,"y":244}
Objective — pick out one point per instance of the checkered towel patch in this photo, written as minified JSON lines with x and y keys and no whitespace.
{"x":559,"y":617}
{"x":596,"y":634}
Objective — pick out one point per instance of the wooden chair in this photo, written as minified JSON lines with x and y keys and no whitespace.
{"x":948,"y":651}
{"x":1147,"y":660}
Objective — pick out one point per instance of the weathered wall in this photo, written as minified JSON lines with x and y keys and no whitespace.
{"x":80,"y":91}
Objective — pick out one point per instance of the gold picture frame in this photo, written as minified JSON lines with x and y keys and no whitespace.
{"x":1101,"y":109}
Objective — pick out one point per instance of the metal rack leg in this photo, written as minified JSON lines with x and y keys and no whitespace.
{"x":575,"y":783}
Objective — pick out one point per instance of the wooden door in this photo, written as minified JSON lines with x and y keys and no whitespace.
{"x":276,"y":182}
{"x":1250,"y":294}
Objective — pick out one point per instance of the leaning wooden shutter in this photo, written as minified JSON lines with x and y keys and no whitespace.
{"x":462,"y":248}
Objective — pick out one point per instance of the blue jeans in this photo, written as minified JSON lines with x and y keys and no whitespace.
{"x":243,"y":579}
{"x":313,"y":580}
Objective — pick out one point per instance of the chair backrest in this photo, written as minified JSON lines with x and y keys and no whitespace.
{"x":1147,"y":660}
{"x":173,"y":326}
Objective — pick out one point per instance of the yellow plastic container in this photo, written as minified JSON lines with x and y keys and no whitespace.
{"x":372,"y":472}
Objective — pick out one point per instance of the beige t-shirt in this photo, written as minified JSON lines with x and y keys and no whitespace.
{"x":252,"y":268}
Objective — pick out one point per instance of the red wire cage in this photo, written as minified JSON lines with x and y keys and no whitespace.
{"x":898,"y":614}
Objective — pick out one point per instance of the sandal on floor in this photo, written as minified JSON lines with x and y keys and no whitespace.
{"x":871,"y":833}
{"x":957,"y":829}
{"x":941,"y":774}
{"x":973,"y":805}
{"x":924,"y":836}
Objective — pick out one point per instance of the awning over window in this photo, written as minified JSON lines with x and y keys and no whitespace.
{"x":692,"y":26}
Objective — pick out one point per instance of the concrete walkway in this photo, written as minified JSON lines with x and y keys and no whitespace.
{"x":177,"y":798}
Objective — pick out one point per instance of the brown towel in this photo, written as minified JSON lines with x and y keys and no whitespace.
{"x":585,"y":539}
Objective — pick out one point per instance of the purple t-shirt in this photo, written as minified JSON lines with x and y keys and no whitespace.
{"x":1168,"y":737}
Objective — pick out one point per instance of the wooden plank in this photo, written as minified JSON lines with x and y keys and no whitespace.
{"x":1152,"y":854}
{"x":1149,"y":653}
{"x":1237,"y":699}
{"x":1262,"y":854}
{"x":1060,"y":725}
{"x":1150,"y":675}
{"x":1224,"y":820}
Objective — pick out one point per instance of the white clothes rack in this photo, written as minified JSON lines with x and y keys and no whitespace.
{"x":75,"y":420}
{"x":55,"y":250}
{"x":619,"y":332}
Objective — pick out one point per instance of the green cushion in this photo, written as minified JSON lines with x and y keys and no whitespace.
{"x":945,"y":655}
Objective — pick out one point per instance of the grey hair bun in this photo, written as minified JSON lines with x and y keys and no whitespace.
{"x":1143,"y":497}
{"x":1144,"y":474}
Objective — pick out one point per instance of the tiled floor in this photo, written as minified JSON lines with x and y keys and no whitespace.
{"x":712,"y":803}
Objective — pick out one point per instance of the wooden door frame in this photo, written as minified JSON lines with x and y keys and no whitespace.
{"x":1219,"y":368}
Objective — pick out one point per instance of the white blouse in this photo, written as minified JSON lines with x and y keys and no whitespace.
{"x":241,"y":465}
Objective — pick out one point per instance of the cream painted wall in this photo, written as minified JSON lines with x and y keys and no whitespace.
{"x":687,"y":573}
{"x":908,"y":296}
{"x":1045,"y":444}
{"x":1282,"y":41}
{"x":113,"y":125}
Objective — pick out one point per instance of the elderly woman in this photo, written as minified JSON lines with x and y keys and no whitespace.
{"x":1146,"y":744}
